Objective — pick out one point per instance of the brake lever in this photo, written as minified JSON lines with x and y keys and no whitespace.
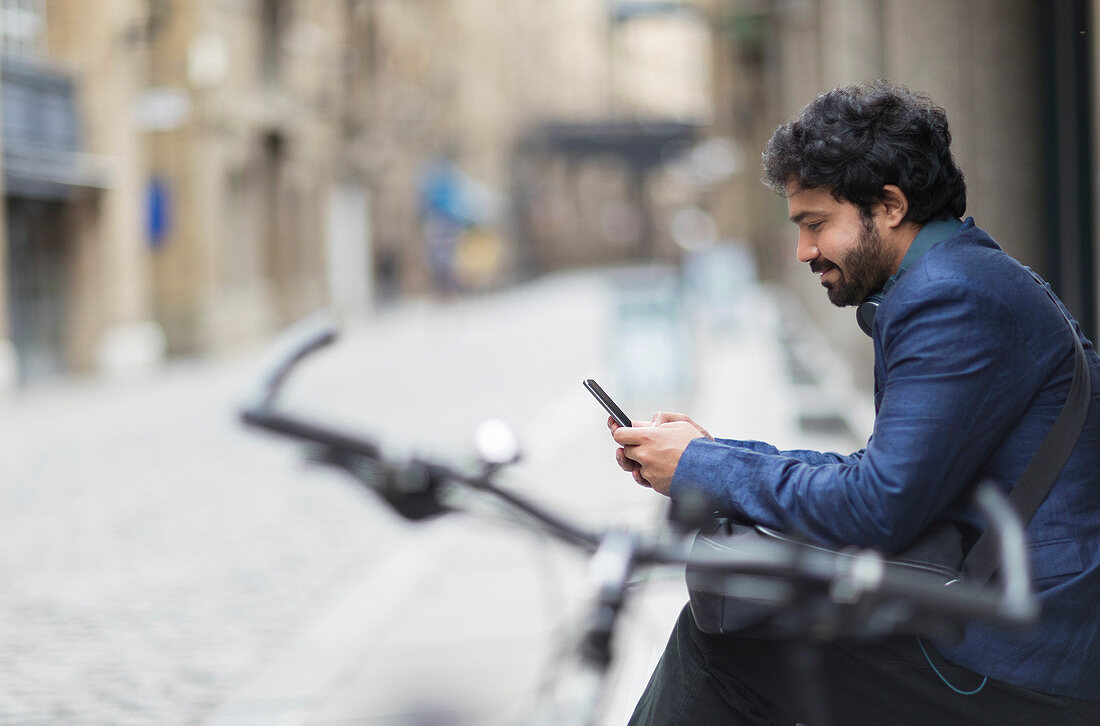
{"x":1018,"y":599}
{"x":299,"y":341}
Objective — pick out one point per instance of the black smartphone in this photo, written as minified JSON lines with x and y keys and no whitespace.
{"x":605,"y":401}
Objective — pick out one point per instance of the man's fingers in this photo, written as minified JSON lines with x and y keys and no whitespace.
{"x":634,"y":468}
{"x":629,"y":436}
{"x":665,"y":417}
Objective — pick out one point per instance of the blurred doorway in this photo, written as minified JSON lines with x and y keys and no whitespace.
{"x":582,"y":193}
{"x":39,"y":286}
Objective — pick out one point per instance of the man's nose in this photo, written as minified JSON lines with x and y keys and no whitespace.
{"x":807,"y":251}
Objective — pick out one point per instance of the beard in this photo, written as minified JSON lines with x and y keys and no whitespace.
{"x":866,"y":268}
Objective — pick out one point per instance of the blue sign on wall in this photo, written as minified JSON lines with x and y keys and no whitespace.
{"x":158,"y":212}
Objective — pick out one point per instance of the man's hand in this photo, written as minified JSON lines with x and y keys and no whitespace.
{"x":650,"y":451}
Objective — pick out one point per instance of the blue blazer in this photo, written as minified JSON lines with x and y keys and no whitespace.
{"x":972,"y":365}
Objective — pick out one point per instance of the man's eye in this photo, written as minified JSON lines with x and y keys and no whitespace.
{"x":813,"y":226}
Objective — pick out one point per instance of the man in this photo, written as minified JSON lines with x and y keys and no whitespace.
{"x":972,"y":365}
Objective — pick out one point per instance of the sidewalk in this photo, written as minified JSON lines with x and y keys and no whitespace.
{"x":459,"y":623}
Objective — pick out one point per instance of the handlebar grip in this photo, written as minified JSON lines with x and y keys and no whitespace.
{"x":1013,"y":604}
{"x":958,"y":600}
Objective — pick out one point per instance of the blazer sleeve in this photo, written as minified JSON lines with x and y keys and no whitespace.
{"x":806,"y":456}
{"x":953,"y":387}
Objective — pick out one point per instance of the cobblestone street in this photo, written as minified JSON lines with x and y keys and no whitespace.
{"x":154,"y":552}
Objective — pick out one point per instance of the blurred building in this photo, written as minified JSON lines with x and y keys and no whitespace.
{"x":77,"y":292}
{"x":1017,"y":79}
{"x":186,"y":175}
{"x":599,"y":185}
{"x":492,"y":88}
{"x":255,"y":215}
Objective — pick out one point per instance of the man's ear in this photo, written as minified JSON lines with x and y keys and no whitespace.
{"x":894,"y":205}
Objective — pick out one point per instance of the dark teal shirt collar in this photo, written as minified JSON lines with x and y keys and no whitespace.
{"x":932,"y":232}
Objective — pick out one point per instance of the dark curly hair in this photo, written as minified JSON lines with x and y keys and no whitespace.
{"x":854,"y":139}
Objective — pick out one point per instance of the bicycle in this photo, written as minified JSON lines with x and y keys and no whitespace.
{"x":848,"y":589}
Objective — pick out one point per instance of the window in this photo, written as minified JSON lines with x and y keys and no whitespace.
{"x":22,"y":27}
{"x":274,"y":19}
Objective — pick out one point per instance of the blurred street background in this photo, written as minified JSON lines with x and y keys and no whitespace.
{"x":162,"y":565}
{"x":498,"y":199}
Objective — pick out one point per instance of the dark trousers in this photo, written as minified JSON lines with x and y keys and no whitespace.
{"x":712,"y":680}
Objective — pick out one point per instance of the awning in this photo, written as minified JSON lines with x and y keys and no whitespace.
{"x":639,"y":143}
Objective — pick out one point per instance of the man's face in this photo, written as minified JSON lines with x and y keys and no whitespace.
{"x":841,"y":246}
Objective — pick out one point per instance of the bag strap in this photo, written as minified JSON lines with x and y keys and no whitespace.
{"x":981,"y":562}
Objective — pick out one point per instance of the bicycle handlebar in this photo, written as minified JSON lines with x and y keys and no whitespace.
{"x":847,"y":577}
